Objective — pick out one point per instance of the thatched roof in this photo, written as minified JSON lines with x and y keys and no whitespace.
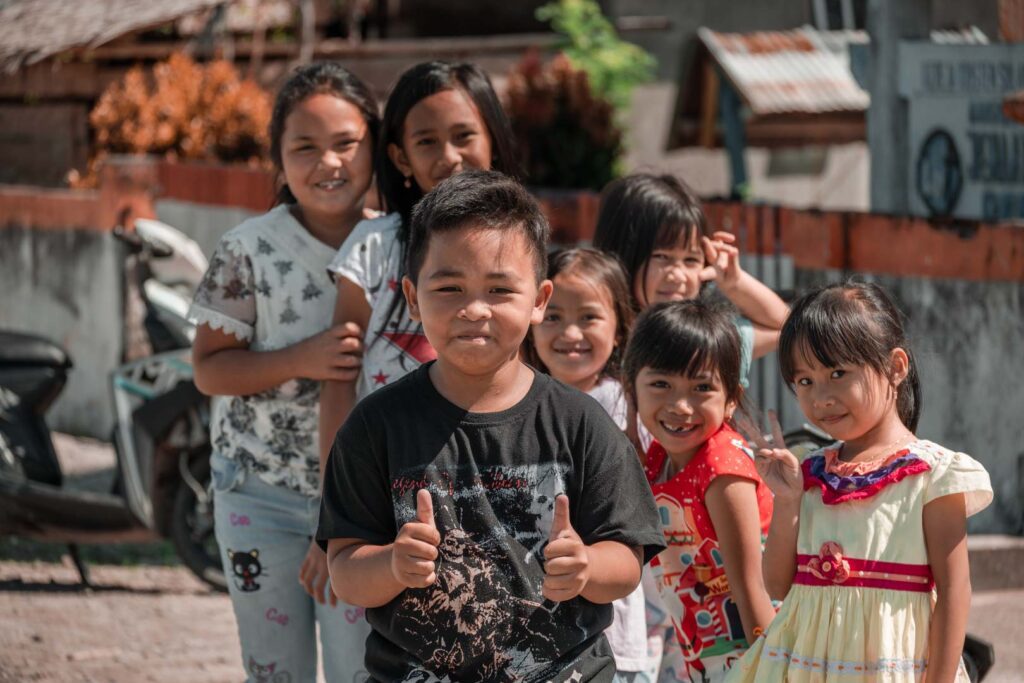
{"x":32,"y":30}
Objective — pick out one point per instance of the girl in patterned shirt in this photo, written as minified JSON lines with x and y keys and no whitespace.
{"x":262,"y":347}
{"x":682,"y":369}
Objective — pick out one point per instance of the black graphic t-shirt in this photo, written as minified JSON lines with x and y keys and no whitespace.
{"x":493,"y":478}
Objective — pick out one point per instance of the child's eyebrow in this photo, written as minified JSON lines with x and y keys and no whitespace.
{"x":451,"y":272}
{"x":444,"y":273}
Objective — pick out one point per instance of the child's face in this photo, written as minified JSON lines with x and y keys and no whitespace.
{"x":327,"y":156}
{"x":442,"y":135}
{"x":577,"y":335}
{"x":846,"y":401}
{"x":476,"y":295}
{"x":671,"y":273}
{"x":682,"y":412}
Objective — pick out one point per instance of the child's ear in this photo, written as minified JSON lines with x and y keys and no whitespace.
{"x":398,"y":158}
{"x":409,"y":289}
{"x":540,"y":304}
{"x":899,"y":366}
{"x":730,"y":409}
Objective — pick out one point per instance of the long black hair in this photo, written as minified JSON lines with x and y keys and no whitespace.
{"x":685,"y":338}
{"x":318,"y":78}
{"x":419,"y":83}
{"x":851,"y":323}
{"x":643,"y":212}
{"x":416,"y":84}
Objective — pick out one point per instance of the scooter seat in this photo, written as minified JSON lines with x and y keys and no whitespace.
{"x":25,"y":349}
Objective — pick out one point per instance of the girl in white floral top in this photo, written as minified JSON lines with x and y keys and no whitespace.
{"x":263,"y":344}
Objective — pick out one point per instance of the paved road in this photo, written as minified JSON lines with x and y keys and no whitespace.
{"x":159,"y":624}
{"x":998,"y":617}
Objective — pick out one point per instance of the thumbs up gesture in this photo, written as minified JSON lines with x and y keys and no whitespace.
{"x":414,"y":552}
{"x":567,"y":562}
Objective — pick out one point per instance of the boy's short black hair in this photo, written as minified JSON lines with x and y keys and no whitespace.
{"x":487,"y":200}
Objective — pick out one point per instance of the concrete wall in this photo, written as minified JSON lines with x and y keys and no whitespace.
{"x":202,"y":222}
{"x":65,"y":285}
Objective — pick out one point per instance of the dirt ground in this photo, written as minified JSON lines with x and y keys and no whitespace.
{"x":152,"y":621}
{"x":161,"y":625}
{"x":155,"y":624}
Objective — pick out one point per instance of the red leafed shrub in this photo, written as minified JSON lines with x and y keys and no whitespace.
{"x":567,"y":135}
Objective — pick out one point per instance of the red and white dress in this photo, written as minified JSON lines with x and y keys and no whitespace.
{"x":690,"y":573}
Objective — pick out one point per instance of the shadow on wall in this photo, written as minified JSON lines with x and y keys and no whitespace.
{"x":65,"y":285}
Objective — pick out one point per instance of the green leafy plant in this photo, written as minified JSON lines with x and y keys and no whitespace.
{"x":568,"y":113}
{"x":613,"y":65}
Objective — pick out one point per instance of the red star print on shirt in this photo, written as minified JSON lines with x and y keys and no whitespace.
{"x":393,"y":284}
{"x":380,"y":377}
{"x":415,"y":345}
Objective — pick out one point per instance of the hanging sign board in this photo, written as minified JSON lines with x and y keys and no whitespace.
{"x":966,"y":157}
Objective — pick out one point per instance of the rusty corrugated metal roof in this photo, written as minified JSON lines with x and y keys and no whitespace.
{"x":803,"y":71}
{"x":32,"y":30}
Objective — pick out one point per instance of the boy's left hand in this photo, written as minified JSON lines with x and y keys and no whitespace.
{"x":314,"y":577}
{"x":723,"y":260}
{"x":567,"y":561}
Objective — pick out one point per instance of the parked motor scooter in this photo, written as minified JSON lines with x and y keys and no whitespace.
{"x":161,"y":433}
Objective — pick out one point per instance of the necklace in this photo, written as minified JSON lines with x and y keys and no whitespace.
{"x":884,"y":452}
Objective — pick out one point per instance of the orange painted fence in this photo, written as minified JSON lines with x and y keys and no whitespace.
{"x":815,"y":240}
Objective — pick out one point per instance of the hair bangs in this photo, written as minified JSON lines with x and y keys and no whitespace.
{"x":832,"y":330}
{"x":685,"y":338}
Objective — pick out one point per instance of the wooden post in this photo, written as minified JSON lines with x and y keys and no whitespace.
{"x":735,"y":138}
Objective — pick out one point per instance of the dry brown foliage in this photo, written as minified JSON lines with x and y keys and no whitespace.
{"x":181,"y":110}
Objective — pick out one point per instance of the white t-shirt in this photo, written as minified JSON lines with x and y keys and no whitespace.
{"x":267,"y":285}
{"x":628,"y":633}
{"x":394,"y":344}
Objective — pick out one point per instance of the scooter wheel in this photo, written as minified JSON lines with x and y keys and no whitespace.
{"x":193,"y":536}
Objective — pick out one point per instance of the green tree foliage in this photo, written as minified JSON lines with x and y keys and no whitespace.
{"x":613,"y":65}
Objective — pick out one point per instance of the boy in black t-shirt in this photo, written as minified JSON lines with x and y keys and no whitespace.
{"x":485,"y":514}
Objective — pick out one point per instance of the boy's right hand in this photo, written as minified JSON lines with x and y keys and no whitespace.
{"x":778,"y":467}
{"x":414,"y":552}
{"x":335,"y":354}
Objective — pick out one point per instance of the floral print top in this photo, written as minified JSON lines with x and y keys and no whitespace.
{"x":267,"y":284}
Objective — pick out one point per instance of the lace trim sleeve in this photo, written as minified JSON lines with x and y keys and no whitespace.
{"x":228,"y":288}
{"x":198,"y":315}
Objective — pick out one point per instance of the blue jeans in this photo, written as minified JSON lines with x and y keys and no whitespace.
{"x":264,"y":532}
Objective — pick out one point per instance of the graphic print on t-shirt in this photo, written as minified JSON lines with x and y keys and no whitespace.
{"x":413,"y":344}
{"x":494,"y":525}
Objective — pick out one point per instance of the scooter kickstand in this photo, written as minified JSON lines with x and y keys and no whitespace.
{"x":80,"y":565}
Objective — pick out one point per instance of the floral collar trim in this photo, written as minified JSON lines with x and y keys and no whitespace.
{"x":846,"y":469}
{"x":840,"y":488}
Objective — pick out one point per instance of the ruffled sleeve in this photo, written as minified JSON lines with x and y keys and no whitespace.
{"x":226,"y":298}
{"x":960,"y":473}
